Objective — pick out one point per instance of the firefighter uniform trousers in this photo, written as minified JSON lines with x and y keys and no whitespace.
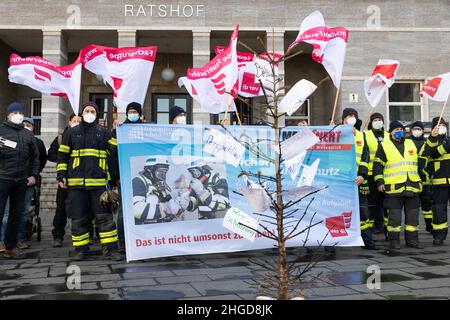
{"x":441,"y":197}
{"x":426,"y":199}
{"x":395,"y":206}
{"x":366,"y":232}
{"x":82,"y":203}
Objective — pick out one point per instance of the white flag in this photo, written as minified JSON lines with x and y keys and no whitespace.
{"x":296,"y":96}
{"x":213,"y":82}
{"x":382,"y":76}
{"x":329,"y":44}
{"x":127,"y":70}
{"x":438,"y":88}
{"x":44,"y":76}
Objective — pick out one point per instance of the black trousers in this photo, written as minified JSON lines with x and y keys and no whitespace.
{"x":395,"y":206}
{"x":440,"y":221}
{"x":15,"y":191}
{"x":426,"y":200}
{"x":82,"y":202}
{"x":376,"y":209}
{"x":60,"y":218}
{"x":366,"y":231}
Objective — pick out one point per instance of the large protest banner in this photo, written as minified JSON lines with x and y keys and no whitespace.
{"x":179,"y":182}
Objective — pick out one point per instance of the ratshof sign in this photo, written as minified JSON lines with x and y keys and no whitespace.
{"x":164,"y":10}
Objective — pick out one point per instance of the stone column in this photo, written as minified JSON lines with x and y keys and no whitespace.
{"x":200,"y":56}
{"x":55,"y":110}
{"x":126,"y":38}
{"x":275,"y":43}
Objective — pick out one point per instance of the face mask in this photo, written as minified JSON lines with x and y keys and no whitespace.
{"x":351,"y":121}
{"x":399,"y":135}
{"x":181,"y":120}
{"x":133,"y":117}
{"x":377,"y":125}
{"x":442,"y":130}
{"x":17,"y":118}
{"x":417,"y":133}
{"x":89,"y":117}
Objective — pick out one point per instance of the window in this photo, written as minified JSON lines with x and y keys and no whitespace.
{"x":36,"y":104}
{"x":302,"y":113}
{"x":106,"y":110}
{"x":404,"y":102}
{"x":163,"y":102}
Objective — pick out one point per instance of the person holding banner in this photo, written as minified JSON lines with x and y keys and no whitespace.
{"x":437,"y":148}
{"x":177,"y":115}
{"x":82,"y":169}
{"x":350,"y":116}
{"x":398,"y":172}
{"x":417,"y":129}
{"x":374,"y":136}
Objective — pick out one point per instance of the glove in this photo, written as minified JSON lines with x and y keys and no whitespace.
{"x":199,"y":190}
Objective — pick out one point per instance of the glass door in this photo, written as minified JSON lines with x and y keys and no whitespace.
{"x":163,"y":102}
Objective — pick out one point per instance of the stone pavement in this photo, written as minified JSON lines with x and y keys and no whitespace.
{"x":405,"y":274}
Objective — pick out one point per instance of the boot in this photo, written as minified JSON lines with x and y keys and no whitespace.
{"x":111,"y":252}
{"x":370,"y":245}
{"x":438,"y":242}
{"x":414,"y":244}
{"x":81,"y":253}
{"x":394,"y":244}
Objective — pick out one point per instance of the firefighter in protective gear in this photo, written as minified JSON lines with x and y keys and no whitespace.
{"x":437,"y":150}
{"x":83,"y":169}
{"x":210,"y":190}
{"x":374,"y":136}
{"x":152,"y":201}
{"x":426,"y":200}
{"x":350,"y":117}
{"x":399,"y":173}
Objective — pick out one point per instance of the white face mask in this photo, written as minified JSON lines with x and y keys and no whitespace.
{"x":351,"y":121}
{"x":417,"y":133}
{"x":377,"y":125}
{"x":442,"y":130}
{"x":89,"y":117}
{"x":17,"y":118}
{"x":181,"y":120}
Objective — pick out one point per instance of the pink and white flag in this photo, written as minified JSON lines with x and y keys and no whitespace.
{"x":438,"y":88}
{"x":329,"y":44}
{"x":249,"y":86}
{"x":44,"y":76}
{"x":127,"y":70}
{"x":211,"y":84}
{"x":382,"y":76}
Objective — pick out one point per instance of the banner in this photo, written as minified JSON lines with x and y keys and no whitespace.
{"x":382,"y":76}
{"x":127,"y":70}
{"x":329,"y":44}
{"x":44,"y":76}
{"x":214,"y":85}
{"x":176,"y":194}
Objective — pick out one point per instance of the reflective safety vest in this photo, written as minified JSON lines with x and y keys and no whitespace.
{"x":359,"y":146}
{"x":372,"y":144}
{"x":401,"y":169}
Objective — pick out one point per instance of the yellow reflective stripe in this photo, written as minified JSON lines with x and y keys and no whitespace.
{"x":441,"y":226}
{"x":428,"y":214}
{"x":411,"y":228}
{"x":371,"y":222}
{"x":363,"y":164}
{"x":378,"y":177}
{"x":386,"y":221}
{"x":394,"y":229}
{"x":71,"y":182}
{"x":108,"y":240}
{"x":108,"y":234}
{"x":95,"y":182}
{"x":439,"y":181}
{"x":445,"y":156}
{"x":75,"y":163}
{"x":432,"y":144}
{"x":61,"y":167}
{"x":80,"y":243}
{"x":82,"y":237}
{"x":441,"y":149}
{"x":89,"y":153}
{"x":113,"y":141}
{"x":63,"y":148}
{"x":365,"y":225}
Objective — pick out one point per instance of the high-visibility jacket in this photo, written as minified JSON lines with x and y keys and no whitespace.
{"x":400,"y":172}
{"x":437,"y":150}
{"x":83,"y":156}
{"x":372,"y":143}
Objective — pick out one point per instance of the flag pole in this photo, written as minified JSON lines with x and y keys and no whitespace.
{"x":225,"y":121}
{"x":335,"y":105}
{"x":366,"y":122}
{"x":237,"y":115}
{"x":442,"y":112}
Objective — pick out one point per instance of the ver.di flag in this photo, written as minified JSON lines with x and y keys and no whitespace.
{"x":212,"y":84}
{"x":127,"y":70}
{"x":329,"y":44}
{"x":44,"y":76}
{"x":382,"y":76}
{"x":438,"y":88}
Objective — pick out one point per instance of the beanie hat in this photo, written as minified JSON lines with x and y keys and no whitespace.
{"x":348,"y":111}
{"x":174,"y":112}
{"x":435,"y":122}
{"x":14,"y":107}
{"x":29,"y":120}
{"x":418,"y":124}
{"x":395,"y":124}
{"x":89,"y":104}
{"x":375,"y":116}
{"x":136,"y":106}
